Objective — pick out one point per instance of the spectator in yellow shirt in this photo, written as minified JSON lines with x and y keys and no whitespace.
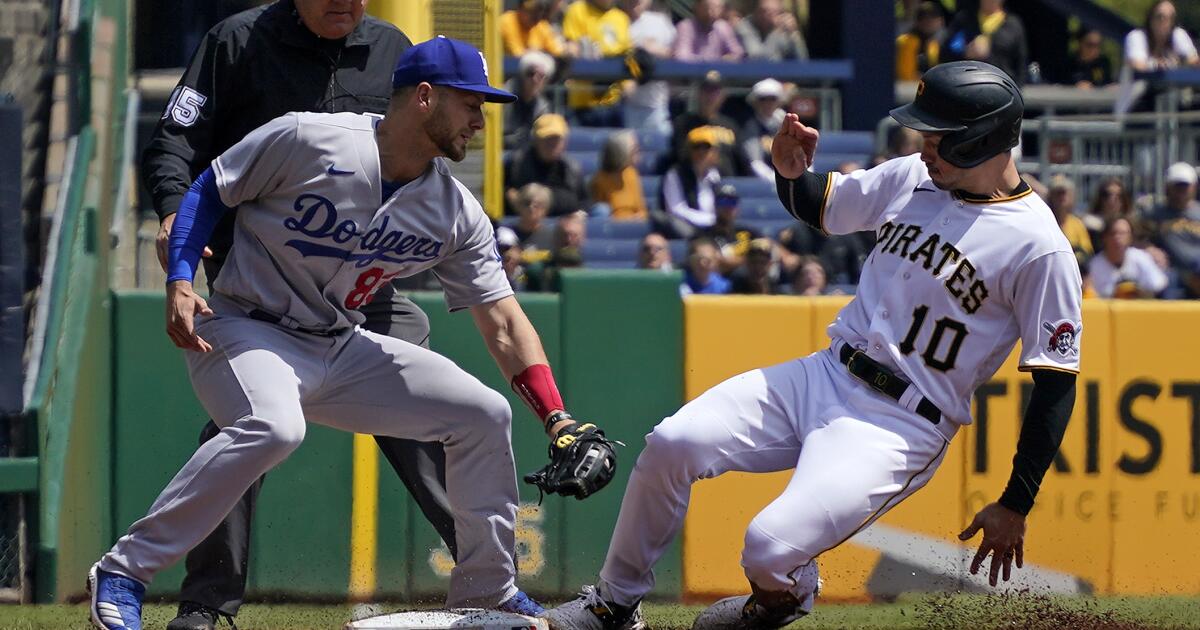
{"x":918,"y":49}
{"x":617,"y":187}
{"x":597,"y":29}
{"x":1061,"y":199}
{"x":527,"y":27}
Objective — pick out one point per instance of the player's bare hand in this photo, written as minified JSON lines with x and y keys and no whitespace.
{"x":183,"y":305}
{"x":1003,"y":537}
{"x":163,"y":241}
{"x":794,"y":147}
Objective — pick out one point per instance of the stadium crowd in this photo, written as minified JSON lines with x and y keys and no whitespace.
{"x":643,"y":173}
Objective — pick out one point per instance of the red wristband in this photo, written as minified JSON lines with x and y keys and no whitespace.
{"x":536,"y":387}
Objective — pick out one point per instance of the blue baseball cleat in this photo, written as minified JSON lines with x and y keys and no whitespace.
{"x":116,"y":600}
{"x":521,"y":604}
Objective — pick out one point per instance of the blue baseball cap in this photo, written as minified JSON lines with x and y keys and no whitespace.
{"x":449,"y":62}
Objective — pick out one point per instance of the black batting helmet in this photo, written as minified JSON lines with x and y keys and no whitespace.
{"x":975,"y":104}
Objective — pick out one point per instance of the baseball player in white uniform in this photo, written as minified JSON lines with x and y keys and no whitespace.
{"x":331,"y":207}
{"x":967,"y":262}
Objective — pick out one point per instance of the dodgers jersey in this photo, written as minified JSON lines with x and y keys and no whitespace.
{"x":312,"y":242}
{"x":953,"y":283}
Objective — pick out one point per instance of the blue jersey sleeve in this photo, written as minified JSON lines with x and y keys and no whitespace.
{"x":194,"y":224}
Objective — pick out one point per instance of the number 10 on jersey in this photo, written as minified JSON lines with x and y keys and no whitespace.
{"x":934,"y":343}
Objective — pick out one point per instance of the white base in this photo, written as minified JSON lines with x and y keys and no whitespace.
{"x":458,"y":619}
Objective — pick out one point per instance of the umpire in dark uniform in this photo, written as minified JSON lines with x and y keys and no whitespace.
{"x":291,"y":55}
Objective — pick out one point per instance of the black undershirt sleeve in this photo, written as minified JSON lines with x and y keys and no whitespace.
{"x":804,"y":197}
{"x":1042,"y":431}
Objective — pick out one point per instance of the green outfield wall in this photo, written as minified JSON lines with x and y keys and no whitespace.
{"x":615,"y":341}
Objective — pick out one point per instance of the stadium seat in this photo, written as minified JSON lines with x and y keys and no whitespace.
{"x":589,"y":138}
{"x":755,"y":187}
{"x":826,"y":162}
{"x":589,"y":162}
{"x":611,"y":264}
{"x":650,"y":187}
{"x":847,"y":289}
{"x":653,"y":141}
{"x":678,"y":252}
{"x":861,"y":142}
{"x":649,"y":162}
{"x":769,"y":227}
{"x":763,"y":209}
{"x":597,"y":250}
{"x":603,"y":227}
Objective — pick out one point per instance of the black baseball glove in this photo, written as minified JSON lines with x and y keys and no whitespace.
{"x":582,"y":462}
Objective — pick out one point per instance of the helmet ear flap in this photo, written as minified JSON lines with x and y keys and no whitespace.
{"x":959,"y":148}
{"x":966,"y":150}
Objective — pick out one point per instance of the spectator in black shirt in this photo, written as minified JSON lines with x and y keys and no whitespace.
{"x":760,"y":274}
{"x":534,"y":69}
{"x":990,"y":35}
{"x":706,"y":112}
{"x":732,"y":238}
{"x":546,"y":162}
{"x":1090,"y":68}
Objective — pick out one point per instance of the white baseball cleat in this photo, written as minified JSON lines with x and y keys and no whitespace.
{"x":590,"y":611}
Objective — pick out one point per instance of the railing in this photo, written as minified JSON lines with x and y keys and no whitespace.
{"x":818,"y":78}
{"x":1137,"y":149}
{"x":66,"y":519}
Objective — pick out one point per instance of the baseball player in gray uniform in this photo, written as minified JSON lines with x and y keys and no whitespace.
{"x":967,"y":261}
{"x":330,"y":208}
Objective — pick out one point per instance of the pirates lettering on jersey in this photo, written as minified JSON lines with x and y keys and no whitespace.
{"x":319,"y":219}
{"x":910,"y":242}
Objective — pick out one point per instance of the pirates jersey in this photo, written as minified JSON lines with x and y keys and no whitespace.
{"x":953,"y":282}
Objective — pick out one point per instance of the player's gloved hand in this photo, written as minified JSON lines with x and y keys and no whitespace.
{"x":582,"y":461}
{"x":794,"y":146}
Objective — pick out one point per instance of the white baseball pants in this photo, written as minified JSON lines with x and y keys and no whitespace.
{"x":261,"y":383}
{"x":856,"y":454}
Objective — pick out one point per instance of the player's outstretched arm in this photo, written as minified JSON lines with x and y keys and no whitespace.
{"x":1042,"y":429}
{"x":794,"y":146}
{"x":582,"y":459}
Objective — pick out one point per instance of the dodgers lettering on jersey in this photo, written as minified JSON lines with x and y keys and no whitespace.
{"x":952,"y":283}
{"x":312,"y":242}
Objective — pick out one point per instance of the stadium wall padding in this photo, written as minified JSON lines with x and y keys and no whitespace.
{"x":1124,"y":490}
{"x":615,"y":340}
{"x":1121,"y":495}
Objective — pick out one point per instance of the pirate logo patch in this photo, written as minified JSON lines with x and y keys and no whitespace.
{"x":1064,"y":337}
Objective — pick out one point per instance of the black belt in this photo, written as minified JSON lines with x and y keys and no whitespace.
{"x":266,"y":316}
{"x":882,"y":380}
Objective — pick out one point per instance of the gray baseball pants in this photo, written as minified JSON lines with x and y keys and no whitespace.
{"x":262,"y":383}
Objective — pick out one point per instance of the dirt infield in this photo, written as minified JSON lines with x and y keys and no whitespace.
{"x":1021,"y":611}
